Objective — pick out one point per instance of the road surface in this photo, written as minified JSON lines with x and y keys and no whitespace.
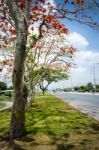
{"x":86,"y":103}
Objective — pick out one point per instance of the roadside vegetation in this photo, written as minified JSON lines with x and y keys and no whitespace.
{"x":89,"y":87}
{"x":5,"y":94}
{"x":5,"y":99}
{"x":52,"y":124}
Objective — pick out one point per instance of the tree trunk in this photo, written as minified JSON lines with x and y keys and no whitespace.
{"x":43,"y":92}
{"x":32,"y":97}
{"x":17,"y":126}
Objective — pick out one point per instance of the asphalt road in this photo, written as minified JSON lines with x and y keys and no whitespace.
{"x":86,"y":103}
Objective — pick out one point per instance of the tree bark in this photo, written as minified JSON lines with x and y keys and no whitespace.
{"x":17,"y":126}
{"x":20,"y":18}
{"x":32,"y":97}
{"x":43,"y":92}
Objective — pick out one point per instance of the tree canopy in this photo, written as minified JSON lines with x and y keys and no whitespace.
{"x":3,"y":86}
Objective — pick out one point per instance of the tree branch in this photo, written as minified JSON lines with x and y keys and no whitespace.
{"x":14,"y":10}
{"x":97,"y":4}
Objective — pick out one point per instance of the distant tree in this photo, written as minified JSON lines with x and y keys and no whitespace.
{"x":89,"y":87}
{"x":47,"y":76}
{"x":97,"y":88}
{"x":3,"y":86}
{"x":8,"y":94}
{"x":44,"y":77}
{"x":82,"y":88}
{"x":67,"y":89}
{"x":76,"y":88}
{"x":10,"y":88}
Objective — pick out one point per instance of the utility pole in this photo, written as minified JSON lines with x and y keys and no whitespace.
{"x":73,"y":89}
{"x":94,"y":78}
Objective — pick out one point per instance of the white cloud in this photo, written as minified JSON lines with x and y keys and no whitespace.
{"x":86,"y":57}
{"x":84,"y":60}
{"x":78,"y":41}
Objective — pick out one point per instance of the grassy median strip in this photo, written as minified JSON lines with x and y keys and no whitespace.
{"x":52,"y":125}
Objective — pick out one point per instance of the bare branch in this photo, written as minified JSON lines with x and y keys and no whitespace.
{"x":97,"y":4}
{"x":14,"y":10}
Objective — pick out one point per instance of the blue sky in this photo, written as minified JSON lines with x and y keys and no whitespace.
{"x":86,"y":39}
{"x":84,"y":30}
{"x":91,"y":34}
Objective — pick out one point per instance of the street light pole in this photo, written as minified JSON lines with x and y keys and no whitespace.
{"x":73,"y":89}
{"x":94,"y":77}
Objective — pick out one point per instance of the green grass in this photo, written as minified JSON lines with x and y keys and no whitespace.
{"x":2,"y":105}
{"x":53,"y":125}
{"x":5,"y":98}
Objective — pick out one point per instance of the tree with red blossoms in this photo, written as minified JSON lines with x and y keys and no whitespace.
{"x":16,"y":17}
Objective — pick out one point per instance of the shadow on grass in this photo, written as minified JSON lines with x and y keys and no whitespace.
{"x":95,"y":127}
{"x":65,"y":146}
{"x":7,"y":144}
{"x":17,"y":147}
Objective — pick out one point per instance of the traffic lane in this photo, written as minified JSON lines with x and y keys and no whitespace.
{"x":84,"y":106}
{"x":89,"y":98}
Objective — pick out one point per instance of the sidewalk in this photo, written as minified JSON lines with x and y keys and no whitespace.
{"x":86,"y":93}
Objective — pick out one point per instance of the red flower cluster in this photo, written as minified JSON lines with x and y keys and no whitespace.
{"x":13,"y":31}
{"x":21,"y":4}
